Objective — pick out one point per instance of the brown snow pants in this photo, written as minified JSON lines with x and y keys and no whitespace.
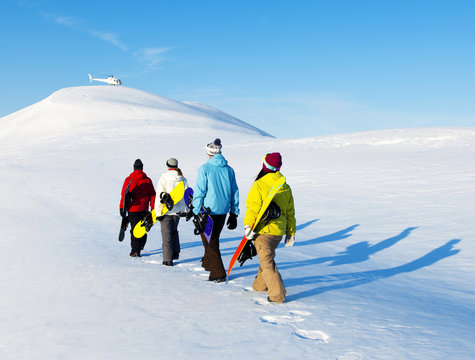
{"x":268,"y":278}
{"x":212,"y":261}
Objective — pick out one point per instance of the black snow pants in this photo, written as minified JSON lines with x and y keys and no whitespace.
{"x":136,"y":245}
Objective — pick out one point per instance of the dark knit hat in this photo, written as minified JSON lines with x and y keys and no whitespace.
{"x":214,"y":147}
{"x":138,"y":165}
{"x":172,"y":163}
{"x":272,"y":162}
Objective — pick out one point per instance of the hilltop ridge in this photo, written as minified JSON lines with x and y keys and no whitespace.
{"x":75,"y":110}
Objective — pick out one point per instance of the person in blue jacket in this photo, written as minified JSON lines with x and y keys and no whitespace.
{"x":216,"y":189}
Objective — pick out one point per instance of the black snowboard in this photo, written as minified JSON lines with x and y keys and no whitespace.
{"x":123,"y":227}
{"x":125,"y":219}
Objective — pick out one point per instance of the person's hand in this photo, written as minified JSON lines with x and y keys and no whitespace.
{"x":148,"y":221}
{"x":248,"y":232}
{"x":232,"y":221}
{"x":123,"y":213}
{"x":289,"y":240}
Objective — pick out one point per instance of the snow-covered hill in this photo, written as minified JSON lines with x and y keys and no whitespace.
{"x":108,"y":111}
{"x":382,"y":267}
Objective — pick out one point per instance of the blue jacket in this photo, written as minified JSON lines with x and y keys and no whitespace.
{"x":216,"y":187}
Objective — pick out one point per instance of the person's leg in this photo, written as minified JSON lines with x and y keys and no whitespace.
{"x":175,"y":237}
{"x":215,"y":262}
{"x":270,"y":276}
{"x":204,"y":259}
{"x":166,"y":227}
{"x":259,"y":283}
{"x":136,"y":243}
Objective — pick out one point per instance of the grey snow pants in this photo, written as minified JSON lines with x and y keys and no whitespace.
{"x":170,"y":239}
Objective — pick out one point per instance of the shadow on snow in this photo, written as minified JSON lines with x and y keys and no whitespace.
{"x":348,"y":280}
{"x":355,"y":253}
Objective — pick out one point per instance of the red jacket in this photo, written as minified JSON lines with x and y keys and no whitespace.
{"x":142,"y":192}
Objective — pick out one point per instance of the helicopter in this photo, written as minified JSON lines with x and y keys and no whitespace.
{"x":111,"y":80}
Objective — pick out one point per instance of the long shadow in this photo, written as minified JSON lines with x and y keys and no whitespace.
{"x":304,"y":225}
{"x":362,"y":251}
{"x":348,"y":280}
{"x":339,"y":235}
{"x":354,"y":253}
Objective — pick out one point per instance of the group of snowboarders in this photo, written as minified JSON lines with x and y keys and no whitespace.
{"x":270,"y":214}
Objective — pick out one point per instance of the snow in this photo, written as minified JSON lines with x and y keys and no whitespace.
{"x":382,"y":267}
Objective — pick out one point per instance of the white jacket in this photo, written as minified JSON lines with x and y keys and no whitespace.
{"x":167,"y":183}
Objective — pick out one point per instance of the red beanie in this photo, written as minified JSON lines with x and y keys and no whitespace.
{"x":272,"y":162}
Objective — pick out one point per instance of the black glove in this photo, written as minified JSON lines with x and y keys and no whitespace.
{"x":148,"y":221}
{"x":123,"y":213}
{"x":247,"y":252}
{"x":166,"y":199}
{"x":200,"y":222}
{"x":232,"y":221}
{"x":190,"y":213}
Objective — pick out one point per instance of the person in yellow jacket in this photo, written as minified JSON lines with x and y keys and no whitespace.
{"x":269,"y":231}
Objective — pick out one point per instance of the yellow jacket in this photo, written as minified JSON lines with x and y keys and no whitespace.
{"x":285,"y":224}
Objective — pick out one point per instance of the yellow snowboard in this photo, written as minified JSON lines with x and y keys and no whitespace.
{"x":176,"y":194}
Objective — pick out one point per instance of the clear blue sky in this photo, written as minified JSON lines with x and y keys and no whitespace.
{"x":291,"y":68}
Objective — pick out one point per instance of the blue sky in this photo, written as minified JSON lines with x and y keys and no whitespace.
{"x":291,"y":68}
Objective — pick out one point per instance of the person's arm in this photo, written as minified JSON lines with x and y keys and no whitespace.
{"x":122,"y":194}
{"x":200,"y":190}
{"x":291,"y":222}
{"x":253,"y":205}
{"x":152,"y":196}
{"x":234,"y":207}
{"x":160,"y":185}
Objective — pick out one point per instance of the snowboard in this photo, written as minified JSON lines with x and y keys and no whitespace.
{"x":123,"y":227}
{"x":209,"y":221}
{"x":176,"y":194}
{"x":275,"y":188}
{"x":125,"y":220}
{"x":209,"y":226}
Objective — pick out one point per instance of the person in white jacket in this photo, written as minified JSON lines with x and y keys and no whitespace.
{"x":169,"y":222}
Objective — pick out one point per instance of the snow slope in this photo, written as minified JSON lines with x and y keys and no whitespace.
{"x":382,"y":267}
{"x":107,"y":111}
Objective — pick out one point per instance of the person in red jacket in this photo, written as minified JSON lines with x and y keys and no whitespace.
{"x":142,"y":195}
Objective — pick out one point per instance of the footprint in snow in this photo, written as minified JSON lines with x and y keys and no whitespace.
{"x":261,"y":301}
{"x":316,"y":335}
{"x":299,"y":313}
{"x":292,"y":317}
{"x":295,"y":316}
{"x":281,"y":319}
{"x":350,"y":356}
